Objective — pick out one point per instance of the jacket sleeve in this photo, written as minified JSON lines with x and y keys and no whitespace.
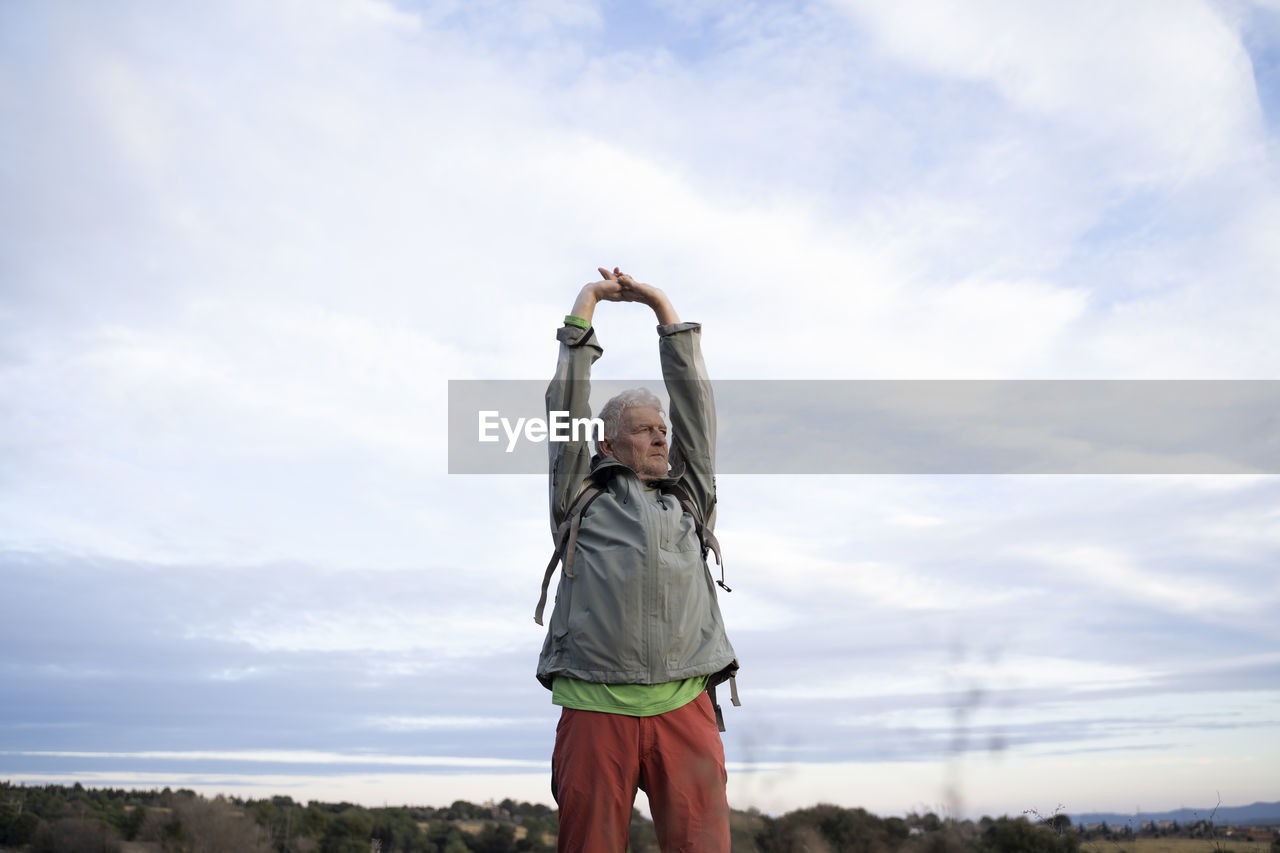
{"x":570,"y":391}
{"x":693,"y":413}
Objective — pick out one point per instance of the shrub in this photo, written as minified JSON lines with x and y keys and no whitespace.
{"x":75,"y":835}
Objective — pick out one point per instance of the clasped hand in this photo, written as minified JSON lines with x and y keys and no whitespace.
{"x":617,"y":286}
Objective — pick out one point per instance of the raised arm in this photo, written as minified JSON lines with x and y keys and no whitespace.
{"x":570,"y":391}
{"x":693,"y":408}
{"x":693,"y":413}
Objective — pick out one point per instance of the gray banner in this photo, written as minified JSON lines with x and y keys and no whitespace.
{"x":917,"y":427}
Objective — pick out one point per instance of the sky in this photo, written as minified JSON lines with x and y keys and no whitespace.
{"x":244,"y":246}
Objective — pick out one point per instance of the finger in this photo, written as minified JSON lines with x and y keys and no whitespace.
{"x":608,"y":275}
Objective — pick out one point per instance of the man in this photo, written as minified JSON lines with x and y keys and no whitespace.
{"x":636,"y":637}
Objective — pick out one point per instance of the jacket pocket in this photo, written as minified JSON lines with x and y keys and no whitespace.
{"x":681,"y":536}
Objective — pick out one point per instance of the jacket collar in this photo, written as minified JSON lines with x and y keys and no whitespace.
{"x":605,"y":468}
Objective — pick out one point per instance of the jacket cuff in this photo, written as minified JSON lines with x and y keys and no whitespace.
{"x":575,"y":336}
{"x":671,"y":328}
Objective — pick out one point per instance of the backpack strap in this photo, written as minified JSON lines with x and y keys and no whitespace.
{"x":706,"y":536}
{"x":709,"y":543}
{"x":733,"y":697}
{"x":566,"y":538}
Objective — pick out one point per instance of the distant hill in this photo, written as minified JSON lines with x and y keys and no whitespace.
{"x":1258,"y":814}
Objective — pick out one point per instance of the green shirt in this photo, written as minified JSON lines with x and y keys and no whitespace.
{"x":634,"y":700}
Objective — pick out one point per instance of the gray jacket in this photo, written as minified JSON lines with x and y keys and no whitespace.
{"x":640,"y":606}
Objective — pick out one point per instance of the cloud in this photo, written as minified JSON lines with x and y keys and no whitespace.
{"x":1117,"y":572}
{"x":1169,"y":86}
{"x":295,"y":757}
{"x":420,"y":724}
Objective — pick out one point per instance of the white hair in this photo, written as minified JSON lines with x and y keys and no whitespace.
{"x":632,"y":398}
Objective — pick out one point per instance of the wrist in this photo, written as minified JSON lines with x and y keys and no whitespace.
{"x":584,"y":305}
{"x":662,"y":308}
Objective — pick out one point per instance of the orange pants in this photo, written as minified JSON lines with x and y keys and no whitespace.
{"x":676,"y":758}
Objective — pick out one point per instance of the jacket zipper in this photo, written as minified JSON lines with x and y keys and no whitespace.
{"x":652,"y":583}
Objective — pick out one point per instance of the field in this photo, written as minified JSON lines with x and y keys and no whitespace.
{"x":1175,"y":845}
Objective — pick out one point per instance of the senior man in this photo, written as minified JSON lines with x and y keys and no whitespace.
{"x":636,"y":643}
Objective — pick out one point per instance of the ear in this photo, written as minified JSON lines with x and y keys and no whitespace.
{"x":605,"y":446}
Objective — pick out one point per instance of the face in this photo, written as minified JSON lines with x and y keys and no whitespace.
{"x":641,"y":444}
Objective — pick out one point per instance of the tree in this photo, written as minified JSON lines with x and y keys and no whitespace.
{"x":132,"y":824}
{"x":455,"y":844}
{"x":348,"y":831}
{"x":19,"y":829}
{"x":75,"y":835}
{"x":396,"y":829}
{"x":1007,"y":835}
{"x":825,"y":825}
{"x":1059,"y":823}
{"x":212,"y":826}
{"x":494,"y":838}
